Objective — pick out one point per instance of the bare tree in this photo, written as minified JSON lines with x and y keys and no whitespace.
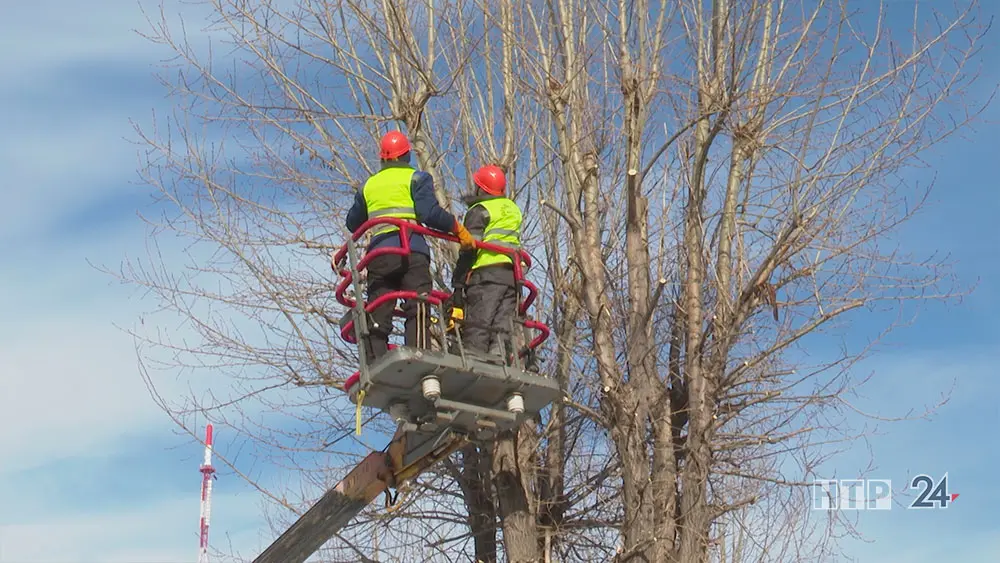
{"x":709,"y":184}
{"x":814,"y":113}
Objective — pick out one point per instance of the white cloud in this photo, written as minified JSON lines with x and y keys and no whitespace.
{"x":52,"y":171}
{"x":71,"y":389}
{"x":36,"y":36}
{"x":923,"y":543}
{"x":70,"y":377}
{"x":71,"y":76}
{"x":162,"y":532}
{"x":69,"y":384}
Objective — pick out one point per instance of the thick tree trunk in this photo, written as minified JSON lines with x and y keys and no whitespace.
{"x":479,"y":502}
{"x":512,"y":472}
{"x":631,"y":432}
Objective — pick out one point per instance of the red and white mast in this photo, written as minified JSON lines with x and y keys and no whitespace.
{"x":206,"y":496}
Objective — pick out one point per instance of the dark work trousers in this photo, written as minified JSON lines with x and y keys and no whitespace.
{"x":490,"y":304}
{"x":393,"y":272}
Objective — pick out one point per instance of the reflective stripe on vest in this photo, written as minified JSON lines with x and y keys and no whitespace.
{"x":504,"y":229}
{"x":387,"y":194}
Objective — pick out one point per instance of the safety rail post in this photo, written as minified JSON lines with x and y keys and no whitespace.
{"x":514,"y":344}
{"x":457,"y":329}
{"x":360,"y":316}
{"x":442,"y":324}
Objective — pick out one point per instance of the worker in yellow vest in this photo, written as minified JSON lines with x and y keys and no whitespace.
{"x":402,"y":192}
{"x":483,"y":280}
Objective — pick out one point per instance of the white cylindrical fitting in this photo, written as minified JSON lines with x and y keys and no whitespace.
{"x":431,"y":387}
{"x":515,"y":403}
{"x":399,"y":412}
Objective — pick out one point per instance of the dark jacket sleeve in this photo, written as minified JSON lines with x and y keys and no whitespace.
{"x":475,"y":220}
{"x":426,"y":206}
{"x":358,"y":213}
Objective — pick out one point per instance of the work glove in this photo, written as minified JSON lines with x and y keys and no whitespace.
{"x":455,"y":314}
{"x":464,"y":237}
{"x":454,"y":307}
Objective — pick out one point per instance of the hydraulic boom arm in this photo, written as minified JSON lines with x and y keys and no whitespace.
{"x":409,"y":454}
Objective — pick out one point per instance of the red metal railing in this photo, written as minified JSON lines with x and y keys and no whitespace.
{"x":405,"y":228}
{"x":435,"y":297}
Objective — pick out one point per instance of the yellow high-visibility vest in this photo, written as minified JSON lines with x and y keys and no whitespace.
{"x":503,"y":229}
{"x":387,"y":194}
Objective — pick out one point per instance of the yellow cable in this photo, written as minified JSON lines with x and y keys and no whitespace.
{"x":357,"y":413}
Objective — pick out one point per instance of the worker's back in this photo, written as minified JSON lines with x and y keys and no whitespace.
{"x":503,"y":228}
{"x":400,"y":191}
{"x":388,"y":193}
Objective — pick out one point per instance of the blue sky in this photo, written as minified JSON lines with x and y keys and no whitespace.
{"x":93,"y":471}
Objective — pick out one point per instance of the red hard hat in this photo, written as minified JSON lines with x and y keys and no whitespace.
{"x":490,"y":179}
{"x":394,"y":145}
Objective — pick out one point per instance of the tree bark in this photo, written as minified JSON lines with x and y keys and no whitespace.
{"x":513,"y":469}
{"x":479,"y":502}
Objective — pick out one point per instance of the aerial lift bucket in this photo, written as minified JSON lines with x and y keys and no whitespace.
{"x":441,"y":399}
